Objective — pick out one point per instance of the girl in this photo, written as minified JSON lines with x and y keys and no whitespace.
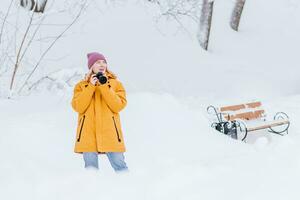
{"x":98,"y":104}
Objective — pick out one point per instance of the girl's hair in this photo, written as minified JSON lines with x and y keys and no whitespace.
{"x":113,"y":75}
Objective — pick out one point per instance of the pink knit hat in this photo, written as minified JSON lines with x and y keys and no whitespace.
{"x":94,"y":57}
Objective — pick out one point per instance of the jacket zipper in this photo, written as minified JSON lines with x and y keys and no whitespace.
{"x":81,"y":129}
{"x":116,"y":129}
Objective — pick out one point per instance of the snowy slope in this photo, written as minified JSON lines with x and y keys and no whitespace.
{"x":171,"y":152}
{"x":260,"y":60}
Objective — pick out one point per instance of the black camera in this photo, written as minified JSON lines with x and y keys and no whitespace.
{"x":102,"y":79}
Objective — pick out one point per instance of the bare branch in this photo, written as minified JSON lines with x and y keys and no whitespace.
{"x":19,"y":51}
{"x":178,"y":11}
{"x":30,"y":41}
{"x":39,"y":81}
{"x":4,"y":20}
{"x":59,"y":36}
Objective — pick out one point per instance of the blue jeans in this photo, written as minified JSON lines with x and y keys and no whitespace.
{"x":116,"y":160}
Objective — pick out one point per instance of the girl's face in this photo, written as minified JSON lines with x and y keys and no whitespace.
{"x":99,"y":66}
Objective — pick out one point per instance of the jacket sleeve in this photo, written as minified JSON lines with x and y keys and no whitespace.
{"x":82,"y":97}
{"x":116,"y":100}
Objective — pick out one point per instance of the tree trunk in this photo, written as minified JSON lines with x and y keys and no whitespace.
{"x":30,"y":5}
{"x":205,"y":23}
{"x":236,"y":14}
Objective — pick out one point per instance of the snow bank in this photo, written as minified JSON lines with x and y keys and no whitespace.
{"x":172,"y":153}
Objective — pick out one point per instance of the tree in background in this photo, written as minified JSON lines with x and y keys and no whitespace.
{"x":205,"y":23}
{"x":17,"y":38}
{"x":236,"y":14}
{"x":34,"y":5}
{"x":201,"y":12}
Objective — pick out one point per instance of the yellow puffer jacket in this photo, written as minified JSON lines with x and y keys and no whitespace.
{"x":98,"y":107}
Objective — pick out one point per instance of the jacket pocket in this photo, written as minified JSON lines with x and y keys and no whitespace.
{"x":79,"y":136}
{"x":116,"y":129}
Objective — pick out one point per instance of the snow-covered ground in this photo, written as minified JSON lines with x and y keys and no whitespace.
{"x":172,"y":152}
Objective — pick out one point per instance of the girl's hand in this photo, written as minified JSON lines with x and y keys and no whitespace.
{"x":93,"y":79}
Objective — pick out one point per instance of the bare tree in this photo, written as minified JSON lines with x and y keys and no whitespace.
{"x":17,"y":65}
{"x":52,"y":44}
{"x":205,"y":23}
{"x":236,"y":14}
{"x":179,"y":8}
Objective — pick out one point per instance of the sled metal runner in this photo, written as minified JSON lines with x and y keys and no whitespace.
{"x":237,"y":121}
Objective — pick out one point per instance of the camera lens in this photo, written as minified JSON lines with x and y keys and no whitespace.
{"x":102,"y":79}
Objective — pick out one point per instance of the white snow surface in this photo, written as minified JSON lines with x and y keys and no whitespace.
{"x":172,"y":153}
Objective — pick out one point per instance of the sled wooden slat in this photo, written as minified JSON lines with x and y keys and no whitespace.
{"x":268,"y":125}
{"x":254,"y":104}
{"x":232,"y":108}
{"x":250,"y":115}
